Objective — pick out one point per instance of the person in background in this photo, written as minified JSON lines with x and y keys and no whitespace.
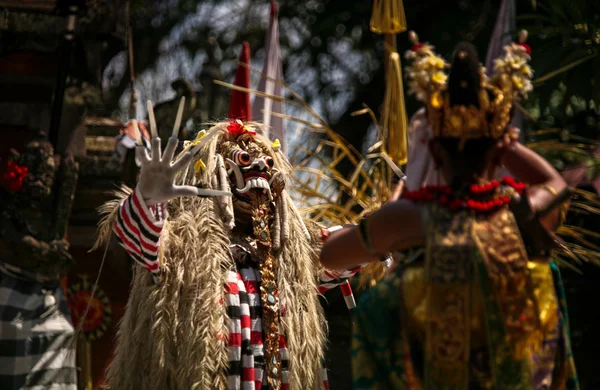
{"x":126,"y":140}
{"x":477,"y":303}
{"x":37,"y":336}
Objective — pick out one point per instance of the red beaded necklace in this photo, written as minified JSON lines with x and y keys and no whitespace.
{"x":482,"y":198}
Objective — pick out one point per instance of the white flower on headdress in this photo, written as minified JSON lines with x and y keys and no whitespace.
{"x":410,"y":55}
{"x":515,"y":65}
{"x":516,"y":49}
{"x":425,"y":69}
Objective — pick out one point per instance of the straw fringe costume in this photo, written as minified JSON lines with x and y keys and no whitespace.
{"x":478,"y":304}
{"x":215,"y":308}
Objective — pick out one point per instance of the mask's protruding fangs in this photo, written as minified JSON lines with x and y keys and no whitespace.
{"x":250,"y":168}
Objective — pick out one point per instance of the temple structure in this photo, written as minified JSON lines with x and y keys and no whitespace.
{"x":52,"y":55}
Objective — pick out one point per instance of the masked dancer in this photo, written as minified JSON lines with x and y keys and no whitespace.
{"x":226,"y":296}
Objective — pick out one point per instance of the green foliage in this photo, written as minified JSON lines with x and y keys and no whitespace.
{"x":563,"y":118}
{"x":565,"y":131}
{"x":565,"y":39}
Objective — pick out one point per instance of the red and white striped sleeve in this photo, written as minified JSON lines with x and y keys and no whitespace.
{"x":138,"y":228}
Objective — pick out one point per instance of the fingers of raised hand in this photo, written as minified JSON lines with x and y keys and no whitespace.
{"x":142,"y":154}
{"x":514,"y":133}
{"x":182,"y":162}
{"x":185,"y":191}
{"x":170,"y":149}
{"x":156,"y":149}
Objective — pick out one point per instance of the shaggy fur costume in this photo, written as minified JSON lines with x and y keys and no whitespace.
{"x":173,"y":335}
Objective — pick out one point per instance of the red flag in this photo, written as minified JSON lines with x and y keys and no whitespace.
{"x":239,"y":105}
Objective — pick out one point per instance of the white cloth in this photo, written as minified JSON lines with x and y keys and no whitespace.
{"x":270,"y":83}
{"x":124,"y":143}
{"x":420,"y":169}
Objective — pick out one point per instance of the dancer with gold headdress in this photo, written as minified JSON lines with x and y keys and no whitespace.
{"x":477,"y":305}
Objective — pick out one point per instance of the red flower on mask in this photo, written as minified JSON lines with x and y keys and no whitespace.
{"x":13,"y":176}
{"x":237,"y":128}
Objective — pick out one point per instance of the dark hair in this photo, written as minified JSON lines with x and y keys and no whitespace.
{"x":464,"y":80}
{"x":473,"y":159}
{"x":464,"y":85}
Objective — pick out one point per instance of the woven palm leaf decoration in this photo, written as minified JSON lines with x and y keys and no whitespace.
{"x":91,"y":313}
{"x":99,"y":314}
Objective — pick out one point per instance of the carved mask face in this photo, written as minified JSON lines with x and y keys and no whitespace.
{"x":251,"y":168}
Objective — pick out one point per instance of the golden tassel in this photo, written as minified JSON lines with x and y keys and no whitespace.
{"x":388,"y":17}
{"x":390,"y":46}
{"x":393,"y":118}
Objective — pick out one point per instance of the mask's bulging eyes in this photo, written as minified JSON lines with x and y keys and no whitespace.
{"x":241,"y":158}
{"x":270,"y":161}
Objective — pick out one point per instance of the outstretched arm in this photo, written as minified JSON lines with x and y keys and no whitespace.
{"x":546,"y":182}
{"x":141,"y":216}
{"x":330,"y":279}
{"x":393,"y":227}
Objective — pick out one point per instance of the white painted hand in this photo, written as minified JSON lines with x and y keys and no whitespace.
{"x":157,"y":175}
{"x":158,"y":172}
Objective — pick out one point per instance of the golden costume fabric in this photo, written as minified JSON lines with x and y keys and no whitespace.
{"x":470,"y":311}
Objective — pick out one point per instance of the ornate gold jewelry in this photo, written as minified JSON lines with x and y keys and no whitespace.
{"x":268,"y":267}
{"x":564,"y":207}
{"x":427,"y":81}
{"x":548,"y":188}
{"x":363,"y":229}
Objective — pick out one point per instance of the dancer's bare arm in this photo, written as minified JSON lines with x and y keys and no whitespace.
{"x":529,"y":167}
{"x":395,"y":226}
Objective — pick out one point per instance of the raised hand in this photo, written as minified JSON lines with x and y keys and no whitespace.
{"x":158,"y":172}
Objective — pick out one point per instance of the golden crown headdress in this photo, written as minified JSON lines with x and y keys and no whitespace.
{"x":511,"y":79}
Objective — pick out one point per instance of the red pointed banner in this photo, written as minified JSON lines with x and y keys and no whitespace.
{"x":239,"y":105}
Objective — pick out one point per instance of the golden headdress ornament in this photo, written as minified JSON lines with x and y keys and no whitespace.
{"x":428,"y":82}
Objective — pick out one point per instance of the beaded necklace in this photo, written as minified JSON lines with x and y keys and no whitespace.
{"x":485,"y":197}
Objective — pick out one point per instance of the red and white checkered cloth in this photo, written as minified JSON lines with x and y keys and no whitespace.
{"x":246,"y":353}
{"x":138,"y":230}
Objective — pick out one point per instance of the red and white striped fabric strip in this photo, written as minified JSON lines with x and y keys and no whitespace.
{"x":331,"y":279}
{"x":148,"y":219}
{"x":138,"y":229}
{"x":348,"y":295}
{"x":246,"y":351}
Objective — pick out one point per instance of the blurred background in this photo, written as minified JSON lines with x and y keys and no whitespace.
{"x":79,"y":70}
